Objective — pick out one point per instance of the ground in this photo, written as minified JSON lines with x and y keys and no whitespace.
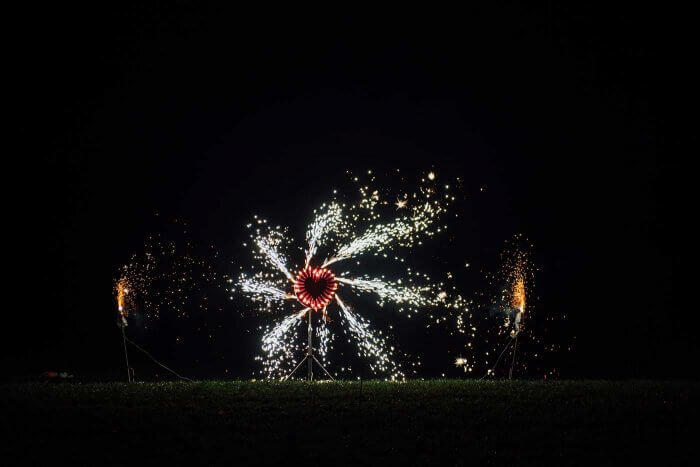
{"x":443,"y":422}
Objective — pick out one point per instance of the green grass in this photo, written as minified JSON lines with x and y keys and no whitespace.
{"x":436,"y":422}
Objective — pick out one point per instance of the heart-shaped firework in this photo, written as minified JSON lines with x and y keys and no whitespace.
{"x":315,"y":287}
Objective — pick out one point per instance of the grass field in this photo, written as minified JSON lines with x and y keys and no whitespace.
{"x":432,"y":422}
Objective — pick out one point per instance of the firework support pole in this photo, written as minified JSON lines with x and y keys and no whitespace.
{"x":310,"y":350}
{"x":126,"y":355}
{"x":512,"y":363}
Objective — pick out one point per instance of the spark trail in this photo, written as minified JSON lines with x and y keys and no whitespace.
{"x":388,"y":291}
{"x":378,"y":237}
{"x":329,"y":221}
{"x":268,"y":246}
{"x":275,"y":343}
{"x":370,"y":345}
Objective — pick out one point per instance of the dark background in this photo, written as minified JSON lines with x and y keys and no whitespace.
{"x":210,"y":116}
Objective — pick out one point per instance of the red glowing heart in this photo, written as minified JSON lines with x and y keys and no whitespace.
{"x":315,"y":287}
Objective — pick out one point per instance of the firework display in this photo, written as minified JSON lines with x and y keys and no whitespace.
{"x":344,"y":231}
{"x":348,"y":284}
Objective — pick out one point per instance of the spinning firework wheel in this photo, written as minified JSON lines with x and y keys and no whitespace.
{"x":345,"y":231}
{"x":315,"y":289}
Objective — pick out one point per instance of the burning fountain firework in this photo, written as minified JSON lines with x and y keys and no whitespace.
{"x":504,"y":315}
{"x":346,"y":231}
{"x":493,"y":329}
{"x":166,"y":277}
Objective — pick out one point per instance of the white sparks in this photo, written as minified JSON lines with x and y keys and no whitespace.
{"x":329,"y":221}
{"x":275,"y":344}
{"x":379,"y":236}
{"x":262,"y":290}
{"x":369,"y":344}
{"x":388,"y":291}
{"x":268,"y":246}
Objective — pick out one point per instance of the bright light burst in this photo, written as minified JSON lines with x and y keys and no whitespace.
{"x":516,"y":271}
{"x":345,"y":231}
{"x":122,"y":292}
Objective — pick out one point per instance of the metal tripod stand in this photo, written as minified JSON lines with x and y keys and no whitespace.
{"x":310,"y":358}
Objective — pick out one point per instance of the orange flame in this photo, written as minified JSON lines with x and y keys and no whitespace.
{"x":122,"y":291}
{"x":518,"y":294}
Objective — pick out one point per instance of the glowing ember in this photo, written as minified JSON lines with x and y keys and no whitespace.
{"x":315,"y":287}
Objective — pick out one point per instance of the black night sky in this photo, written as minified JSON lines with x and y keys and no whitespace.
{"x":152,"y":114}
